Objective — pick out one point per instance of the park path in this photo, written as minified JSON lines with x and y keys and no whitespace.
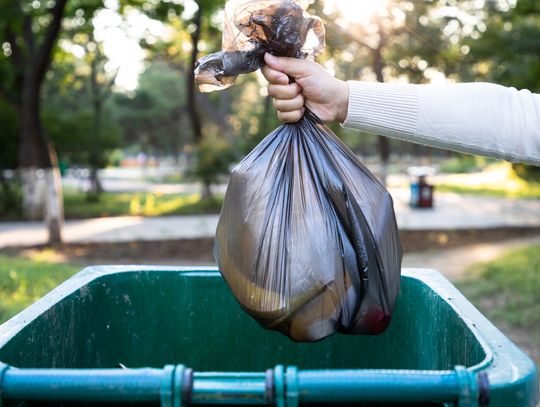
{"x":452,"y":211}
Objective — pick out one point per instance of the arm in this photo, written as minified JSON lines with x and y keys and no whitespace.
{"x":477,"y":118}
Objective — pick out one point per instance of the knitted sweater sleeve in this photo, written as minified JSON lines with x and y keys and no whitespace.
{"x":476,"y":118}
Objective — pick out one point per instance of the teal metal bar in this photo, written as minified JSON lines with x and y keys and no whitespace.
{"x":173,"y":387}
{"x":112,"y":385}
{"x":378,"y":385}
{"x":229,"y":388}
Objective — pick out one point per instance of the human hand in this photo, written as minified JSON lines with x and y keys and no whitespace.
{"x":314,"y":88}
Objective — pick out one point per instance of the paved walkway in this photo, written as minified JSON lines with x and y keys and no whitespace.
{"x":452,"y":211}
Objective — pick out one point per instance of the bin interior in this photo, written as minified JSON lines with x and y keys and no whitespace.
{"x":154,"y":318}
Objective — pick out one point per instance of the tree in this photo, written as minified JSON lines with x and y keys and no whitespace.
{"x":508,"y":53}
{"x":155,"y":117}
{"x":9,"y":142}
{"x":31,"y":30}
{"x":410,"y":40}
{"x":83,"y":133}
{"x":200,"y":20}
{"x":196,"y":29}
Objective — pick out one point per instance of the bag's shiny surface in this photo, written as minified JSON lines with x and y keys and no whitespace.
{"x":307,"y":239}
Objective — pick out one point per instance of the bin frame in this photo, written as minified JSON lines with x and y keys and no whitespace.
{"x":510,"y":373}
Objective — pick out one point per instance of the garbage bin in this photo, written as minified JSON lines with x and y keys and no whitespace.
{"x":421,"y":190}
{"x":421,"y":193}
{"x":176,"y":336}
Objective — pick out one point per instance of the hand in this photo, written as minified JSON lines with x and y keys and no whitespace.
{"x":314,"y":88}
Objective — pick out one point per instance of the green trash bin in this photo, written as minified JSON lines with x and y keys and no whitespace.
{"x":176,"y":336}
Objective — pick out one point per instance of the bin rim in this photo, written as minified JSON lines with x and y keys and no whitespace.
{"x":512,"y":366}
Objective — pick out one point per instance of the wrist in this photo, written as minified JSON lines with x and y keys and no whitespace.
{"x":342,"y":98}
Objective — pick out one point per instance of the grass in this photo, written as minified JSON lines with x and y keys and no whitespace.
{"x":76,"y":205}
{"x":526,"y":192}
{"x":23,"y":281}
{"x":507,"y":290}
{"x":497,"y":180}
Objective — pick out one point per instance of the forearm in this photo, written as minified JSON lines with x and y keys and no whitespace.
{"x":474,"y":118}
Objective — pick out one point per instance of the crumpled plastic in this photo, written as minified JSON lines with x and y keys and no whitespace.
{"x":254,"y":27}
{"x":307,"y":238}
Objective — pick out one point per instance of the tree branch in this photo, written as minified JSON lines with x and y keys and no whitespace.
{"x":28,"y":37}
{"x":43,"y":56}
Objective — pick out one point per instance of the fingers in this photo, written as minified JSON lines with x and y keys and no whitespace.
{"x":284,"y":91}
{"x":274,"y":77}
{"x":294,"y":67}
{"x":287,"y":98}
{"x":290,"y":105}
{"x":288,"y":101}
{"x":291,"y":117}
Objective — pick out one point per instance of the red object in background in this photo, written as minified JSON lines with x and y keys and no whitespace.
{"x":421,"y":194}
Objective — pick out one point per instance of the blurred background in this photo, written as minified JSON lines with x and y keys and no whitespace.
{"x":109,"y":154}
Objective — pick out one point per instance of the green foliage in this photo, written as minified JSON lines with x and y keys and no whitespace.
{"x":213,"y":157}
{"x":464,"y":163}
{"x":508,"y":289}
{"x":529,"y":173}
{"x":23,"y":281}
{"x":76,"y":205}
{"x":75,"y":139}
{"x":509,"y":51}
{"x":154,"y":117}
{"x":10,"y":200}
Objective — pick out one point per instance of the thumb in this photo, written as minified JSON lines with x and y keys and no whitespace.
{"x":294,"y":67}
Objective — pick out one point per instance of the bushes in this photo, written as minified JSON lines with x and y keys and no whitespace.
{"x":528,"y":173}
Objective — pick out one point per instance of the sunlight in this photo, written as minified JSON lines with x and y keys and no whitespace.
{"x":358,"y":11}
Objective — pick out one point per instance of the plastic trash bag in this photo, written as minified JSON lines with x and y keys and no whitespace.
{"x":307,"y":238}
{"x":254,"y":27}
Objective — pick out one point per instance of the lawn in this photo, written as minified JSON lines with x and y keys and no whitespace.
{"x":76,"y":206}
{"x":23,"y":281}
{"x":507,"y":291}
{"x":496,"y":180}
{"x":527,"y":191}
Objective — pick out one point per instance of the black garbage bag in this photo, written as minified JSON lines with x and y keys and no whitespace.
{"x":254,"y":27}
{"x":307,"y":238}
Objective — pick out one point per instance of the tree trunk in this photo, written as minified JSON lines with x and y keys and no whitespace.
{"x":54,"y":209}
{"x":383,"y":143}
{"x":95,"y":185}
{"x":34,"y":152}
{"x":32,"y":193}
{"x":266,"y":115}
{"x":384,"y":153}
{"x":207,"y":191}
{"x":192,"y":101}
{"x":37,"y":154}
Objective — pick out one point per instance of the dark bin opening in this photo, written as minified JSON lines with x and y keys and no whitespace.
{"x":154,"y":318}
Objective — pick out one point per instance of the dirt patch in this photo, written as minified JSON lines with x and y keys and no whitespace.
{"x":422,"y":240}
{"x":200,"y":250}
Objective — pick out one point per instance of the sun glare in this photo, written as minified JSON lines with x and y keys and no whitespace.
{"x":358,"y":11}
